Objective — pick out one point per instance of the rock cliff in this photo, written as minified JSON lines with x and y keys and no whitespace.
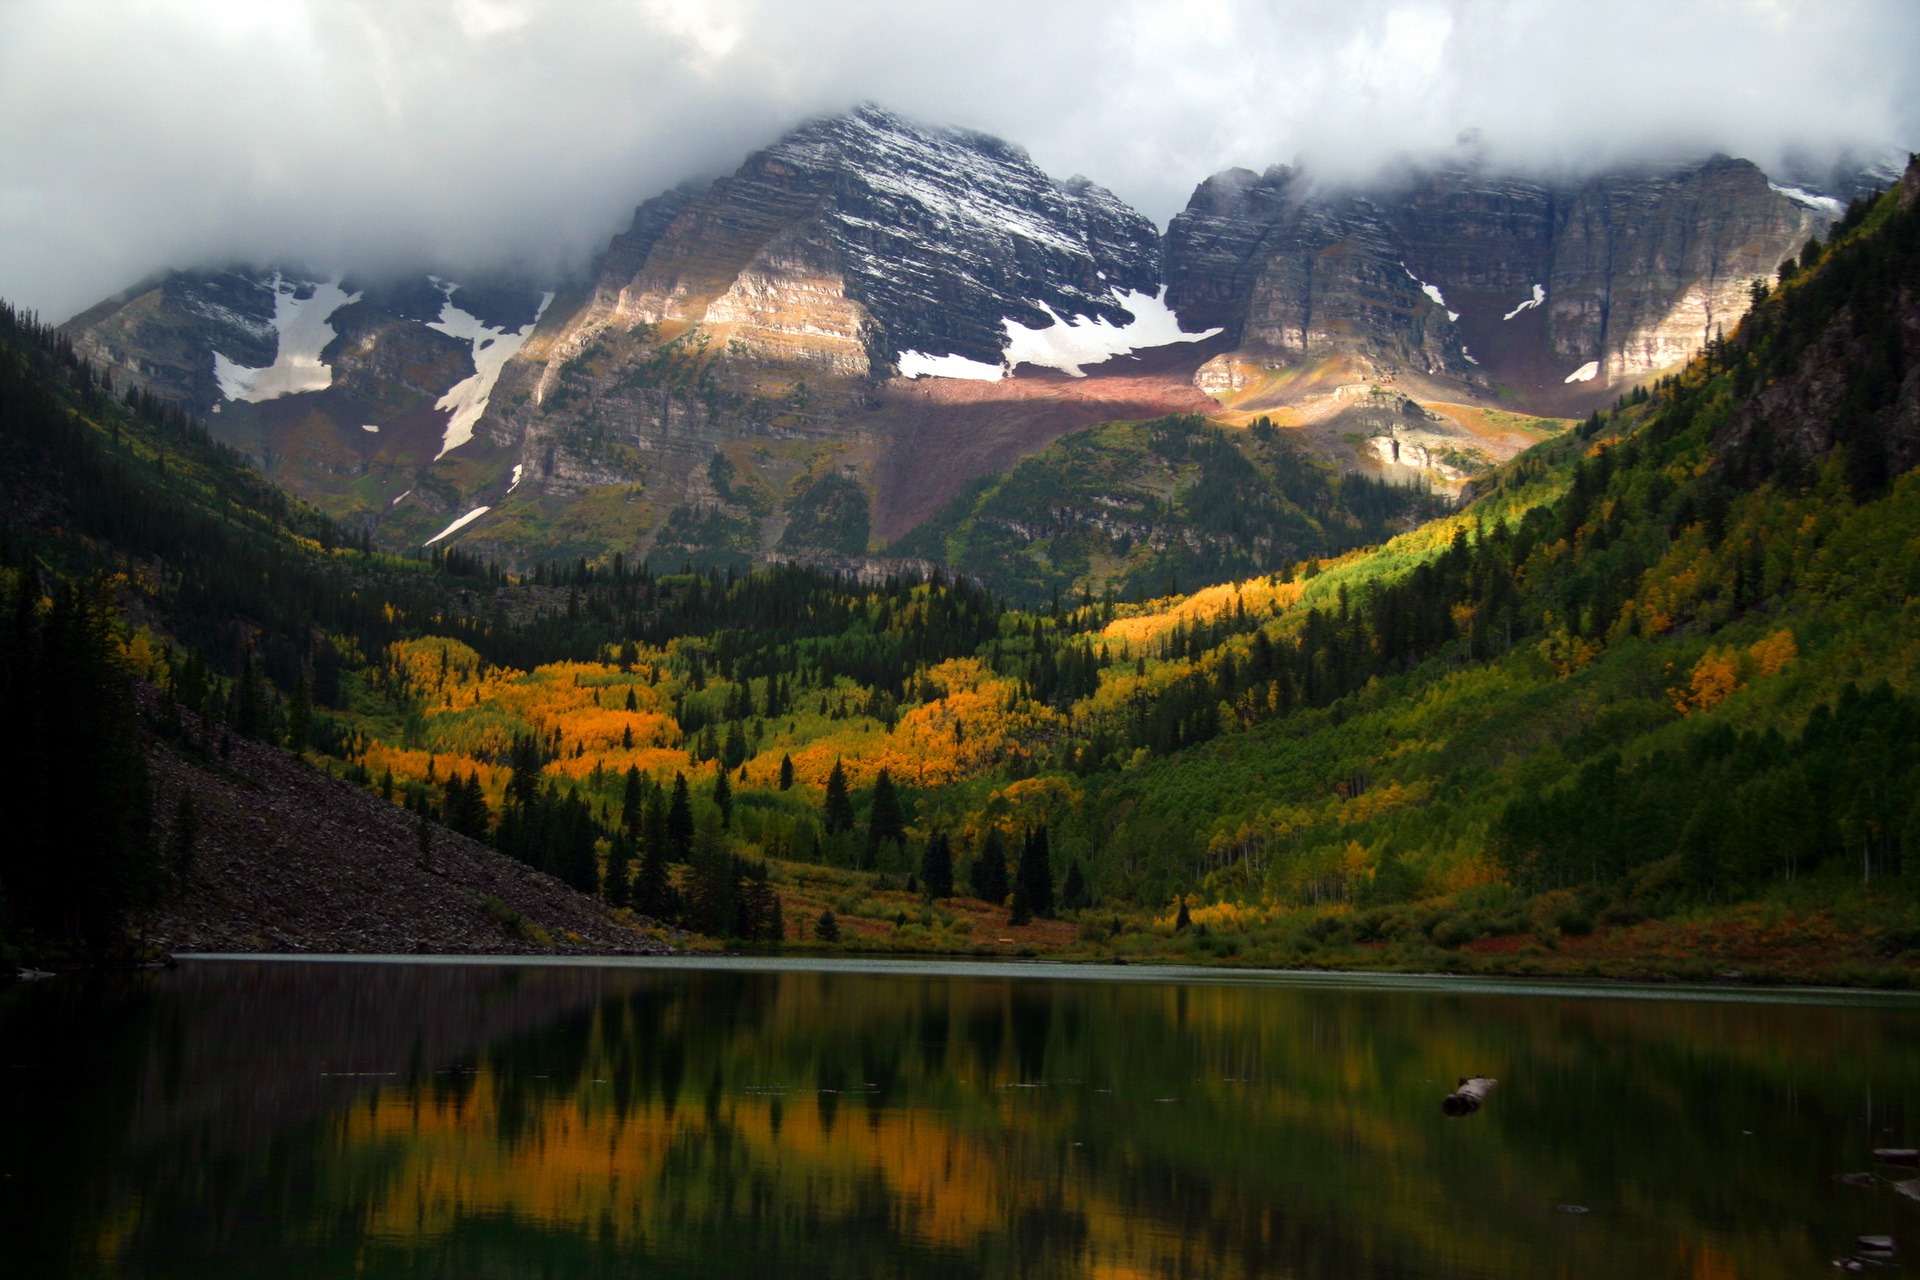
{"x":1533,"y":286}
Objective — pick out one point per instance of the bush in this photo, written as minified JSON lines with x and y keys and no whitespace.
{"x":1457,"y":931}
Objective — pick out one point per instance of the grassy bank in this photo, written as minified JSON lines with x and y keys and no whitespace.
{"x":1813,"y":932}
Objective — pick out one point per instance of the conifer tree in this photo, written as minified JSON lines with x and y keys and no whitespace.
{"x":837,"y":811}
{"x":988,"y":873}
{"x":1035,"y":875}
{"x":936,"y":866}
{"x":786,"y":773}
{"x":300,"y":717}
{"x":633,"y":802}
{"x":884,"y":820}
{"x":827,"y":928}
{"x":713,"y":883}
{"x":615,"y":887}
{"x":723,"y":797}
{"x":1021,"y":910}
{"x":1073,"y":894}
{"x":680,"y":821}
{"x":652,"y":889}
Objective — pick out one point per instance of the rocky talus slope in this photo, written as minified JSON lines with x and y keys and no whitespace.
{"x":289,"y":859}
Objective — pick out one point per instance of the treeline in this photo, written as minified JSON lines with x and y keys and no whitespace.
{"x":77,"y":852}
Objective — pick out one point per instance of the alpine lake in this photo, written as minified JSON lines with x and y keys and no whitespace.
{"x":246,"y":1117}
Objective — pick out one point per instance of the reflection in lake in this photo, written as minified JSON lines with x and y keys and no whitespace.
{"x":252,"y":1118}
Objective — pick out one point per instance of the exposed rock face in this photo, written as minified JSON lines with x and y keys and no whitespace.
{"x":1648,"y":267}
{"x":765,"y":310}
{"x":161,"y":335}
{"x":1300,"y":277}
{"x":343,"y":379}
{"x":1463,"y":274}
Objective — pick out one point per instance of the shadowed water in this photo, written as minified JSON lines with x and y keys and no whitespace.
{"x":395,"y":1118}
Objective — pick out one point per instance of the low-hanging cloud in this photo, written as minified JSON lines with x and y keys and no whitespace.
{"x":465,"y":134}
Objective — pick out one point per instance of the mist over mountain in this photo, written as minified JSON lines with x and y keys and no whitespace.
{"x":468,"y":134}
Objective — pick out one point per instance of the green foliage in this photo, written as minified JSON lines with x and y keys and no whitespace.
{"x":830,"y":516}
{"x":1136,"y":507}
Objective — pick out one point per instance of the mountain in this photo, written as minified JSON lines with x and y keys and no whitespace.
{"x":1548,"y":296}
{"x":340,"y":389}
{"x":736,"y":352}
{"x":813,"y":357}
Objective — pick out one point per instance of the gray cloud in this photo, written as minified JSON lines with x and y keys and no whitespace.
{"x":472,"y":132}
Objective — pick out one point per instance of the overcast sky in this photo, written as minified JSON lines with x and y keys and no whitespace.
{"x":151,"y":133}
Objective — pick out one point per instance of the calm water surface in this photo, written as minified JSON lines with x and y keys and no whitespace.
{"x":373,"y":1119}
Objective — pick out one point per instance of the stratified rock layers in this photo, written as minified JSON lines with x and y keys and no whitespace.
{"x":1441,"y":271}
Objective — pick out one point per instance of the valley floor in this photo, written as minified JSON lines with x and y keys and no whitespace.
{"x":1837,"y":936}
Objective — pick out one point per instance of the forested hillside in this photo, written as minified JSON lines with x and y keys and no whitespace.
{"x":1661,"y":666}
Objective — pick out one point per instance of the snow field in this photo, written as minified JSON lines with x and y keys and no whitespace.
{"x":456,"y":526}
{"x":1539,"y":296}
{"x":302,"y":333}
{"x":492,"y":348}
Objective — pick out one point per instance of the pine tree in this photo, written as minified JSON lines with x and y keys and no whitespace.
{"x":300,"y":717}
{"x":1035,"y":874}
{"x":524,"y":765}
{"x":680,"y":821}
{"x":884,"y":819}
{"x":989,"y":870}
{"x":713,"y":883}
{"x":1021,"y":911}
{"x":1182,"y":920}
{"x":723,"y":797}
{"x":633,"y":802}
{"x":786,"y":773}
{"x":837,"y":811}
{"x":826,"y":928}
{"x":1073,"y":895}
{"x":936,"y":866}
{"x":615,"y":886}
{"x":652,"y":888}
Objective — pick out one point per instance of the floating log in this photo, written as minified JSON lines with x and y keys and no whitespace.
{"x":1897,"y":1155}
{"x":1466,"y":1100}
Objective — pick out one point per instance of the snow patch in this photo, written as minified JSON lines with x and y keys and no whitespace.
{"x":1539,"y":296}
{"x":918,"y":364}
{"x":396,"y":501}
{"x":368,"y":426}
{"x":518,"y":469}
{"x":1067,"y":344}
{"x":1468,"y":354}
{"x":457,"y":525}
{"x":492,"y":348}
{"x":1432,"y":291}
{"x":302,"y":331}
{"x":1819,"y":204}
{"x":1585,"y":373}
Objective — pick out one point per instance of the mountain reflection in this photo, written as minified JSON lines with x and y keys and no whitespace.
{"x":234,"y":1119}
